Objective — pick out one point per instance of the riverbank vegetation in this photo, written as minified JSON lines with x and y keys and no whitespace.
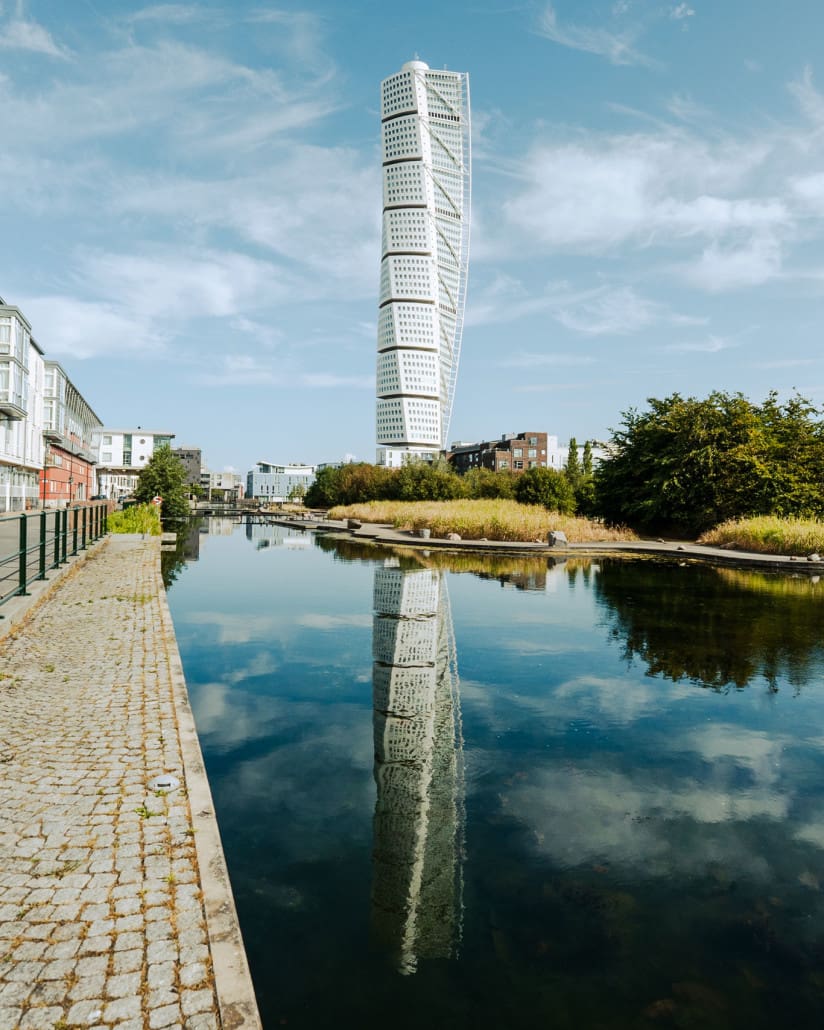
{"x":680,"y":468}
{"x":684,"y":465}
{"x":140,"y":518}
{"x":768,"y":534}
{"x":482,"y":519}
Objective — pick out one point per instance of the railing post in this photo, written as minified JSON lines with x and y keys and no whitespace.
{"x":74,"y":531}
{"x":64,"y":535}
{"x":23,"y":556}
{"x":56,"y":538}
{"x":42,"y":545}
{"x":83,"y":533}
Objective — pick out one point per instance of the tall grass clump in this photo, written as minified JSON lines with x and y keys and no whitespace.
{"x":142,"y":518}
{"x":481,"y":519}
{"x":768,"y":534}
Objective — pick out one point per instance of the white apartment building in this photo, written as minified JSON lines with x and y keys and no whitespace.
{"x":122,"y":453}
{"x":230,"y":484}
{"x":69,"y":426}
{"x":22,"y":448}
{"x":425,"y":133}
{"x":275,"y":484}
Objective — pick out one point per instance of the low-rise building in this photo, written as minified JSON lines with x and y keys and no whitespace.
{"x":122,"y":453}
{"x":46,"y":426}
{"x":69,"y":428}
{"x":228,"y":486}
{"x":192,"y":461}
{"x":275,"y":484}
{"x":512,"y":451}
{"x":21,"y":398}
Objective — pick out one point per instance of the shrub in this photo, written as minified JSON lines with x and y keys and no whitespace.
{"x":141,"y":518}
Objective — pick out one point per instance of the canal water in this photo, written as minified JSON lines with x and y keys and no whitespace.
{"x":462,"y":792}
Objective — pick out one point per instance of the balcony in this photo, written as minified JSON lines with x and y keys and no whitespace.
{"x":11,"y":407}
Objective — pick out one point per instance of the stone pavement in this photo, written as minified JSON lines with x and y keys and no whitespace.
{"x":115,"y":908}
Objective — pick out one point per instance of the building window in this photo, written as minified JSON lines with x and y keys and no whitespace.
{"x":106,"y":456}
{"x":518,"y":452}
{"x":533,"y":440}
{"x":518,"y":464}
{"x":107,"y":441}
{"x":532,"y":453}
{"x":503,"y":464}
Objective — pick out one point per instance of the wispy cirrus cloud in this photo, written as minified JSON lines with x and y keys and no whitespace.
{"x":19,"y":33}
{"x":168,"y":14}
{"x":711,"y":345}
{"x":598,"y":311}
{"x":617,"y":46}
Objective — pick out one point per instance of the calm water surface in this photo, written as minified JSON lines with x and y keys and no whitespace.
{"x":464,"y":794}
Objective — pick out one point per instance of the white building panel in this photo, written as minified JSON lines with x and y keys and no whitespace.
{"x":425,"y":136}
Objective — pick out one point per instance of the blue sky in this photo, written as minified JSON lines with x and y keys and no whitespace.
{"x":191,"y":208}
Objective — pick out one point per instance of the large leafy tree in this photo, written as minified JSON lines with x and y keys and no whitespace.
{"x":548,"y":487}
{"x":164,"y":476}
{"x":685,"y":464}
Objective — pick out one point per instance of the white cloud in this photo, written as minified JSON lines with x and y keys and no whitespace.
{"x":809,"y":99}
{"x":639,"y":188}
{"x":84,"y":329}
{"x":734,"y":267}
{"x":617,"y":47}
{"x":178,"y":284}
{"x":168,"y":14}
{"x":712,"y":345}
{"x":681,"y":11}
{"x":20,"y":34}
{"x":810,"y":190}
{"x":603,"y":310}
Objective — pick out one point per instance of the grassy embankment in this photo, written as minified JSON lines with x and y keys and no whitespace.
{"x":477,"y":520}
{"x":768,"y":534}
{"x":142,"y":518}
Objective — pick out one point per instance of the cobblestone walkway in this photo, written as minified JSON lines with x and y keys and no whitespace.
{"x":102,"y":921}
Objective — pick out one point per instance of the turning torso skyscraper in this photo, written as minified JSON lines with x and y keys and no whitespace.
{"x":424,"y":258}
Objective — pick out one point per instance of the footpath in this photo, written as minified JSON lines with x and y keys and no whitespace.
{"x":115,"y":904}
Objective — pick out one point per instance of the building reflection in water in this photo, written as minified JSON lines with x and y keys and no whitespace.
{"x":269,"y":534}
{"x":417,"y":889}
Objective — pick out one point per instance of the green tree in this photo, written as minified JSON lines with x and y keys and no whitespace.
{"x":586,"y":466}
{"x":426,"y":481}
{"x":585,"y":491}
{"x":323,"y":491}
{"x":548,"y":487}
{"x":481,"y":483}
{"x":685,"y":464}
{"x":573,"y":464}
{"x":164,"y":476}
{"x":355,"y":483}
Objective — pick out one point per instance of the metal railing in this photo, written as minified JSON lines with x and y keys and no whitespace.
{"x":34,"y":543}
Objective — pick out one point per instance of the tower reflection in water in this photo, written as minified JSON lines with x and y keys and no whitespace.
{"x":417,"y":889}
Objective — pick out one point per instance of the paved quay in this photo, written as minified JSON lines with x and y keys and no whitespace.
{"x":115,"y":905}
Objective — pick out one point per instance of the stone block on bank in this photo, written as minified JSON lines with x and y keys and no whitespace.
{"x":556,"y":538}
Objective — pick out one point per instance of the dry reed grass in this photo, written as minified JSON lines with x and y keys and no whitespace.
{"x":482,"y":519}
{"x":768,"y":534}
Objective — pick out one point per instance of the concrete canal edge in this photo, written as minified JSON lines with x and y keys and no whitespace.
{"x":233,"y":981}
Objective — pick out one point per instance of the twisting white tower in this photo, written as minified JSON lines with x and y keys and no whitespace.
{"x":424,"y":257}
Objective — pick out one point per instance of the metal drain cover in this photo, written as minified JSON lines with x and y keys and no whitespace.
{"x":164,"y":782}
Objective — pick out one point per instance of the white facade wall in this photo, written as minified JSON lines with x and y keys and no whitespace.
{"x":275,"y":484}
{"x":21,"y":399}
{"x":121,"y":454}
{"x":424,"y":258}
